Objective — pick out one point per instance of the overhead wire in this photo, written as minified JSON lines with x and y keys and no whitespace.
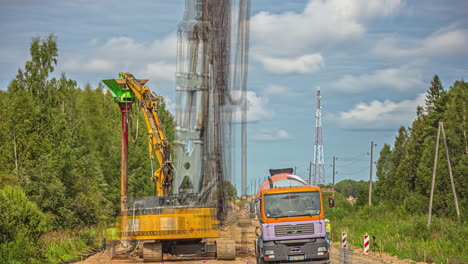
{"x":354,"y":173}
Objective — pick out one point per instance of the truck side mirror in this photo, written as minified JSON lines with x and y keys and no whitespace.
{"x":331,"y":201}
{"x":252,"y":210}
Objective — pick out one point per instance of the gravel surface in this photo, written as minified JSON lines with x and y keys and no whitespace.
{"x":232,"y":231}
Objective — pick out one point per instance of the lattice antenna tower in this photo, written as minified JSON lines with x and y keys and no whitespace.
{"x":319,"y":162}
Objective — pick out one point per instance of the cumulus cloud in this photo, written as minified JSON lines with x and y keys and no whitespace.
{"x":400,"y":79}
{"x":304,"y":64}
{"x":155,"y":59}
{"x":257,"y":108}
{"x":444,"y":42}
{"x":170,"y":105}
{"x":379,"y":115}
{"x":320,"y":23}
{"x":165,"y":47}
{"x":272,"y":135}
{"x":94,"y":65}
{"x":160,"y":71}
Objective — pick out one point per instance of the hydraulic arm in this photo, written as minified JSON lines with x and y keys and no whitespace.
{"x":127,"y":89}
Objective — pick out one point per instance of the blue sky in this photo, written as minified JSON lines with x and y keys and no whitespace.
{"x":373,"y":61}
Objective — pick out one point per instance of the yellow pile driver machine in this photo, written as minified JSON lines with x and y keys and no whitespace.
{"x":160,"y":224}
{"x":184,"y":215}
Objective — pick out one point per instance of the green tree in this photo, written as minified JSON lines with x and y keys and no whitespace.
{"x":21,"y":227}
{"x":230,"y":191}
{"x":405,"y":172}
{"x":384,"y":173}
{"x":349,"y":187}
{"x":433,"y":93}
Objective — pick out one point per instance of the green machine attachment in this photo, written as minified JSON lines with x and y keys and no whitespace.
{"x":122,"y":93}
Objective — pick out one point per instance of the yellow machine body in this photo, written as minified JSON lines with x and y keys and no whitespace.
{"x":172,"y":223}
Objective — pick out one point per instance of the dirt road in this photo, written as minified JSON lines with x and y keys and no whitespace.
{"x":354,"y":257}
{"x":233,"y":231}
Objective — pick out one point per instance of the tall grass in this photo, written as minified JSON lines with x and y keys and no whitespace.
{"x":402,"y":234}
{"x":69,"y":244}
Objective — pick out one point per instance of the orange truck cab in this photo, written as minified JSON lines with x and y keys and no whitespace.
{"x":292,"y":221}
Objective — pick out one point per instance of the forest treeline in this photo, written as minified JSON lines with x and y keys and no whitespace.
{"x":404,"y":170}
{"x":397,"y":218}
{"x":60,"y":154}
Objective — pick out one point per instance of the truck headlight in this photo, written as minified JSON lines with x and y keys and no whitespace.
{"x":269,"y":252}
{"x":322,"y":249}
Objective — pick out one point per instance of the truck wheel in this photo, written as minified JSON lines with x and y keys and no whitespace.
{"x":225,"y":249}
{"x":152,"y":252}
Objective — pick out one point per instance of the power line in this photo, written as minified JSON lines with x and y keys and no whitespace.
{"x":354,"y":173}
{"x":354,"y":159}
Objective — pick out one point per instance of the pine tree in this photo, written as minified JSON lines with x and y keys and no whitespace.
{"x":385,"y":172}
{"x":433,"y":93}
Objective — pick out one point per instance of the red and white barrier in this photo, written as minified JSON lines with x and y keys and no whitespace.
{"x":366,"y":244}
{"x":343,"y":240}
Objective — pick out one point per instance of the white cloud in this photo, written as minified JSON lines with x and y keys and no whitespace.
{"x":444,"y":42}
{"x":94,"y":65}
{"x":379,"y":115}
{"x":304,"y":64}
{"x":170,"y":105}
{"x":272,"y":135}
{"x":257,"y":108}
{"x":400,"y":79}
{"x":155,"y":59}
{"x":160,"y":71}
{"x":320,"y":23}
{"x":165,"y":47}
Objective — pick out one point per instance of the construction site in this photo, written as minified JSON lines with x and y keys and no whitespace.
{"x":188,"y":214}
{"x":76,"y":186}
{"x":188,"y":219}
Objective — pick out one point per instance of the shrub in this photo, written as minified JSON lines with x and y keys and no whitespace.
{"x":21,"y":227}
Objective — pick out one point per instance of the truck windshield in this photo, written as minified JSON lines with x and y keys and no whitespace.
{"x":292,"y":204}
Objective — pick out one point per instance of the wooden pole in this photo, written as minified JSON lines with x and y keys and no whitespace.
{"x":333,"y":191}
{"x":370,"y":177}
{"x":450,"y":172}
{"x":433,"y":178}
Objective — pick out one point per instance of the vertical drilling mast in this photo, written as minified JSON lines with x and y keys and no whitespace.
{"x":206,"y":95}
{"x":189,"y":204}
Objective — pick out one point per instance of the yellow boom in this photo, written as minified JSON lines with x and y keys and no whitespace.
{"x":158,"y":144}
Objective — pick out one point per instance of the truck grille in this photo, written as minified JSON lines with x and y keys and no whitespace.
{"x":294,"y":230}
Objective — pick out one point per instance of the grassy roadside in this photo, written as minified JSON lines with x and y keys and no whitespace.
{"x":68,"y":244}
{"x":402,"y":234}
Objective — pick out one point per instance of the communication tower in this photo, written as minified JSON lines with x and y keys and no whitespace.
{"x":319,"y":163}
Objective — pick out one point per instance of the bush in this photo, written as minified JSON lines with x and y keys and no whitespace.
{"x":21,"y":226}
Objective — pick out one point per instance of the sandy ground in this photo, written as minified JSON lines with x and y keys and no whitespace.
{"x":232,"y":231}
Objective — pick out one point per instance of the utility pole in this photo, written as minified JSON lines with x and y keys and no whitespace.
{"x":333,"y":176}
{"x":370,"y":177}
{"x":259,"y":185}
{"x":310,"y":173}
{"x":294,"y":170}
{"x":450,"y":171}
{"x":433,"y":179}
{"x":441,"y":127}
